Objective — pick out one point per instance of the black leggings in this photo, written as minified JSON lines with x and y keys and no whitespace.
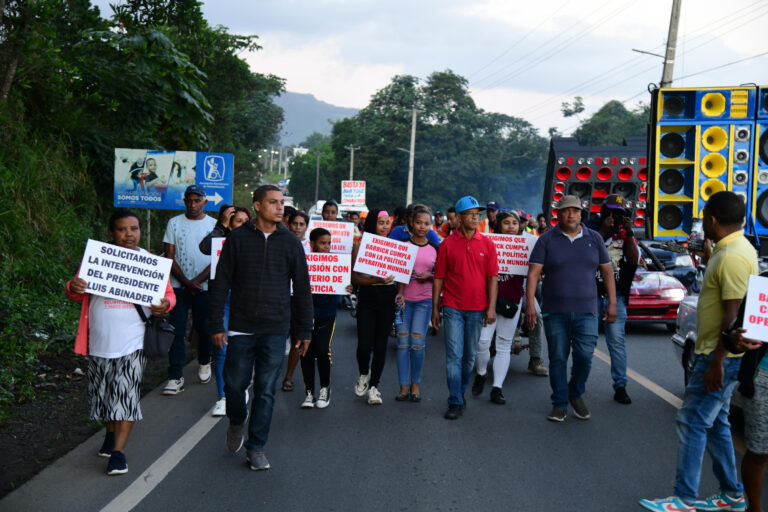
{"x":320,"y":350}
{"x":375,"y":315}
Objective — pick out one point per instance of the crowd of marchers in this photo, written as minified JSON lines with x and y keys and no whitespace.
{"x":259,"y":312}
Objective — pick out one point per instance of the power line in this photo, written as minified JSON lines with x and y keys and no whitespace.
{"x":721,"y":66}
{"x":523,"y":38}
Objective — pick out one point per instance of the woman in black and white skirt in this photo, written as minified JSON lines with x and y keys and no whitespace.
{"x":111,"y":333}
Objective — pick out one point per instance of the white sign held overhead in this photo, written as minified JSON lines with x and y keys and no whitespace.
{"x":342,"y":234}
{"x":329,"y":274}
{"x":756,"y":309}
{"x":353,"y":193}
{"x":216,"y":244}
{"x":513,"y":252}
{"x":383,"y":257}
{"x":123,"y":274}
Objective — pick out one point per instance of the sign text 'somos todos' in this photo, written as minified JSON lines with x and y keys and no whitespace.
{"x":513,"y":252}
{"x":383,"y":257}
{"x":117,"y":273}
{"x":342,"y":234}
{"x":329,"y":273}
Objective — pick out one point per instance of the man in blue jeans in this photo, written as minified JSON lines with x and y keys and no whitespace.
{"x":466,"y":273}
{"x":569,"y":255}
{"x":189,"y":278}
{"x":702,"y":421}
{"x":615,"y":226}
{"x":257,"y":265}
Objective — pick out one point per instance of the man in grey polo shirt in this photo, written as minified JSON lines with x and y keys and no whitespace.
{"x":569,"y":255}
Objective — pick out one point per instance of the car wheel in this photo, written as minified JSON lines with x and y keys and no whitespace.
{"x":688,"y":360}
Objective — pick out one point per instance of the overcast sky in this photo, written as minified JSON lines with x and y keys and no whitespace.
{"x":521,"y":58}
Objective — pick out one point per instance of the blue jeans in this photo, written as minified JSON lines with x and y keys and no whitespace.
{"x":614,"y":338}
{"x":702,"y":422}
{"x":177,"y":356}
{"x":220,"y":354}
{"x":462,"y":331}
{"x":261,"y":356}
{"x":566,"y":332}
{"x":411,"y":339}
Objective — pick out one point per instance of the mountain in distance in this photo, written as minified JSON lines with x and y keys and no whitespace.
{"x":305,"y":114}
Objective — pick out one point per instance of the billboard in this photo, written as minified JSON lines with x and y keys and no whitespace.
{"x":148,"y":178}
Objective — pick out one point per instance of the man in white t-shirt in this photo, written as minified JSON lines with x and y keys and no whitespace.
{"x":189,"y":278}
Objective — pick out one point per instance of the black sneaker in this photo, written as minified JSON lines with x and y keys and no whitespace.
{"x":108,"y":445}
{"x":477,"y":386}
{"x":621,"y":396}
{"x":497,"y":396}
{"x":117,"y":464}
{"x":453,"y":412}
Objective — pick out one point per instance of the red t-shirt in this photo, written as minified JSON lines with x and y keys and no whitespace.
{"x":464,"y":266}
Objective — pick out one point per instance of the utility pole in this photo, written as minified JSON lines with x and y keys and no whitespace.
{"x":409,"y":190}
{"x":669,"y":58}
{"x":317,"y":179}
{"x":351,"y":148}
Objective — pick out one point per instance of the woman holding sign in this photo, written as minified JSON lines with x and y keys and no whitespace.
{"x":416,"y":298}
{"x":508,"y":310}
{"x":111,"y":333}
{"x":375,"y":314}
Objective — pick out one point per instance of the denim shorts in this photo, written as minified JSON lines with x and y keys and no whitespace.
{"x":756,"y":415}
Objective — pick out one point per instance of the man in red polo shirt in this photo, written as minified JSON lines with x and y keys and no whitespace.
{"x":465,"y":273}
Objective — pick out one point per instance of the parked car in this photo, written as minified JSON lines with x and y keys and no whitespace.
{"x":654,"y":298}
{"x":684,"y":337}
{"x":677,"y":264}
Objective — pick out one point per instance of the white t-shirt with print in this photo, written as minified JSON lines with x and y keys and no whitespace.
{"x":186,"y":235}
{"x":115,"y":328}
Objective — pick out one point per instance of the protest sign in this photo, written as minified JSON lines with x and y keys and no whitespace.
{"x":756,"y":309}
{"x":513,"y":252}
{"x":353,"y":193}
{"x":329,"y":274}
{"x":148,"y":178}
{"x":118,"y":273}
{"x":216,"y":245}
{"x":342,"y":234}
{"x":383,"y":257}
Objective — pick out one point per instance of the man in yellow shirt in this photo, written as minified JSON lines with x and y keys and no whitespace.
{"x":702,"y":421}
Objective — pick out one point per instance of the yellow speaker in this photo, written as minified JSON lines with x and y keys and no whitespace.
{"x":714,"y":138}
{"x":711,"y":187}
{"x":713,"y":104}
{"x":713,"y":165}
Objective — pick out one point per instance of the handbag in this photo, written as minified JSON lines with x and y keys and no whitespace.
{"x":158,"y":335}
{"x":506,"y":308}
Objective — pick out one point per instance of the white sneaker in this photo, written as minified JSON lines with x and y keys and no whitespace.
{"x":324,"y":399}
{"x":220,"y":409}
{"x":174,"y":387}
{"x":362,"y":384}
{"x":308,"y":402}
{"x":204,"y":373}
{"x":374,"y":397}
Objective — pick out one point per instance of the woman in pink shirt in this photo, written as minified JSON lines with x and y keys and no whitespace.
{"x":416,"y":298}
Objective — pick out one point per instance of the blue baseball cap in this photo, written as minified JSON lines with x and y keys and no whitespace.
{"x":467,"y":203}
{"x":194,"y":189}
{"x":493,"y":205}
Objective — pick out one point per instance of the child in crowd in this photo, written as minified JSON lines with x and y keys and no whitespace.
{"x":322,"y":333}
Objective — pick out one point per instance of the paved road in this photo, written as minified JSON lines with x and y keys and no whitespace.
{"x":397,"y":456}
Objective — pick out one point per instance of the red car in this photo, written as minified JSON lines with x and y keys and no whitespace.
{"x":654,"y":298}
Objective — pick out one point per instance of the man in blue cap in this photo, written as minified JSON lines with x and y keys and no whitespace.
{"x":189,"y":278}
{"x":466,"y":273}
{"x":486,"y":225}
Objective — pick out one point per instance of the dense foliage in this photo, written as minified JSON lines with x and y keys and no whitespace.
{"x":75,"y":85}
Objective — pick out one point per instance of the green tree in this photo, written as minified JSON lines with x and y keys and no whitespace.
{"x":609,"y":125}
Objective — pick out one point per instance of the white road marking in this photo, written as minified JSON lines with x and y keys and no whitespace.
{"x":157,"y":472}
{"x":648,"y":384}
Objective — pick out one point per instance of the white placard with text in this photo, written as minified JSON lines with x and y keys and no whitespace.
{"x":383,"y":257}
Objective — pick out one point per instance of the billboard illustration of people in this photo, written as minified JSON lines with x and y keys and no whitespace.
{"x":147,"y":178}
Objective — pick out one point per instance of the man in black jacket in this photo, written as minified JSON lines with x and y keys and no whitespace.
{"x":258,"y":264}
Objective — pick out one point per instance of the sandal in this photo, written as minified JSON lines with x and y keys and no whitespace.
{"x":403,"y":398}
{"x":287,"y":385}
{"x":415,"y":398}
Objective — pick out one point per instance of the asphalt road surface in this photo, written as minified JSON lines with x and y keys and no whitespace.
{"x":396,"y":456}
